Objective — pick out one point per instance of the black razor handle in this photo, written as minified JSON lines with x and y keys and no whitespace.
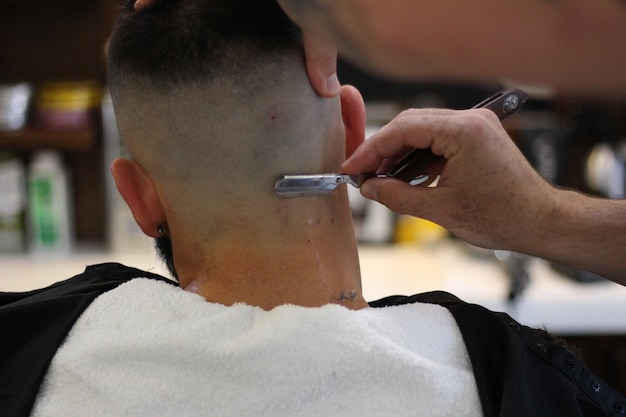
{"x":413,"y":166}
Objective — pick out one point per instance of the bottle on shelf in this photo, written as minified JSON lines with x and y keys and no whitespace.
{"x":12,"y":203}
{"x":49,"y":213}
{"x":14,"y":105}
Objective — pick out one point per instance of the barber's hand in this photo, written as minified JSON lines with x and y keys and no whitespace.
{"x":488,"y":194}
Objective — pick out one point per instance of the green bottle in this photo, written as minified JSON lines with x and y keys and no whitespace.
{"x":49,"y":212}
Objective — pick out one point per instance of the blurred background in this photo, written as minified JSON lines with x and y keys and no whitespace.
{"x":59,"y":209}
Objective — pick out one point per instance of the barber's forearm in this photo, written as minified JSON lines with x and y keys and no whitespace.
{"x":583,"y":232}
{"x":457,"y":40}
{"x":416,"y":38}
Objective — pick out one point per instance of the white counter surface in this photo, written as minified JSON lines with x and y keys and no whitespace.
{"x":550,"y":300}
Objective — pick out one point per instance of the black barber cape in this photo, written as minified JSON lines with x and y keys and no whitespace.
{"x":519,"y":371}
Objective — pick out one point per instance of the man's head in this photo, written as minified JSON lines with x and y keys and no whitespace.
{"x":213,"y":103}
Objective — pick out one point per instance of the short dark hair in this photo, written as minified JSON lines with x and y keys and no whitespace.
{"x":175,"y":42}
{"x":163,"y":246}
{"x":178,"y":41}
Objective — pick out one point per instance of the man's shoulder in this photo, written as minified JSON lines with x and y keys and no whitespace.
{"x":442,"y":298}
{"x":520,"y":370}
{"x":94,"y":280}
{"x":33,"y":325}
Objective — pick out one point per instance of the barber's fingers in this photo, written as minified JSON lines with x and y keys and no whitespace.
{"x":441,"y":130}
{"x":479,"y":218}
{"x":394,"y":140}
{"x":140,"y":4}
{"x":321,"y":65}
{"x":401,"y":197}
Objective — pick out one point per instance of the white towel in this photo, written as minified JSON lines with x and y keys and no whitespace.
{"x":151,"y":349}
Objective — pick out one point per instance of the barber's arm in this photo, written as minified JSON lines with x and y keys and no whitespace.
{"x":574,"y":46}
{"x":480,"y":40}
{"x":489,"y":195}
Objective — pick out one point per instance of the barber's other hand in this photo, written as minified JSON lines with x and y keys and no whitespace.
{"x":140,"y":4}
{"x":488,"y":194}
{"x":320,"y":53}
{"x":321,"y":65}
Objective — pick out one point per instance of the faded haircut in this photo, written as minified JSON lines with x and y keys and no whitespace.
{"x":178,"y":42}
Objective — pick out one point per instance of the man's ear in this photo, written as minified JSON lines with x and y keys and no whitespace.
{"x":137,"y":190}
{"x":353,"y":113}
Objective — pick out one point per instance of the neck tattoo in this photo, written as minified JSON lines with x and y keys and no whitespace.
{"x":347,"y":296}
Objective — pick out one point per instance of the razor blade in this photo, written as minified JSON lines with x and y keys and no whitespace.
{"x":411,"y":169}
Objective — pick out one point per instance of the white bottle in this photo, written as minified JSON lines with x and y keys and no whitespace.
{"x":49,"y":211}
{"x":12,"y":203}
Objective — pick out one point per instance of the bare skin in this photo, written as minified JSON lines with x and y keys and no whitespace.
{"x":573,"y":46}
{"x":242,"y":244}
{"x":490,"y":196}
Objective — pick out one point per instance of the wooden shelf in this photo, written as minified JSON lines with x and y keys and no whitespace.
{"x":37,"y":138}
{"x":61,"y":40}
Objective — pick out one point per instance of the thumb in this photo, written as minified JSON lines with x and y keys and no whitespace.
{"x":399,"y":196}
{"x":321,"y":65}
{"x":141,"y":4}
{"x":369,"y":189}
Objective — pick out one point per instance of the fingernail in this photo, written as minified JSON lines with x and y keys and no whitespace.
{"x":332,"y":85}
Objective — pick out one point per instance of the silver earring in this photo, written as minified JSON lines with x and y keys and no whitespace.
{"x":161,"y":230}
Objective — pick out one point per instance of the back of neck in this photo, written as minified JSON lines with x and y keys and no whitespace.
{"x":309,"y":260}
